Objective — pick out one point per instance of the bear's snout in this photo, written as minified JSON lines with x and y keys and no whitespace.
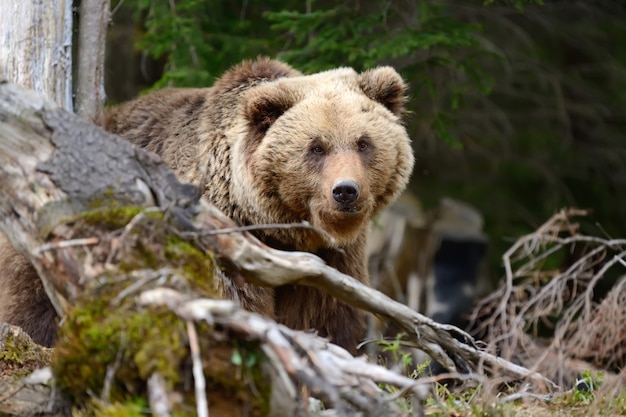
{"x":345,"y":191}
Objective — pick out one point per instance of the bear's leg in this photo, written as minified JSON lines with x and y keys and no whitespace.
{"x":251,"y":297}
{"x":23,"y":300}
{"x":347,"y":326}
{"x":305,"y":308}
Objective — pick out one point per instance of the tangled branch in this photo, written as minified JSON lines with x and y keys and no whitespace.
{"x":298,"y":359}
{"x":542,"y":296}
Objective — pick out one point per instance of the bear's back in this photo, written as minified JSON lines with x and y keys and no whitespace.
{"x":172,"y":122}
{"x":161,"y":122}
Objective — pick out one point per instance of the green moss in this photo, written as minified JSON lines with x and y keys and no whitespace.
{"x":166,"y":349}
{"x":94,"y":338}
{"x":143,"y":257}
{"x":111,"y":217}
{"x":13,"y":352}
{"x":196,"y":264}
{"x":154,"y":240}
{"x":20,"y":351}
{"x":109,"y":339}
{"x":132,"y":344}
{"x":136,"y":407}
{"x":155,"y":244}
{"x":104,"y":212}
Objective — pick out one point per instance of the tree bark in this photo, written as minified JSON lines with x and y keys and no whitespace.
{"x":36,"y":47}
{"x":94,"y":21}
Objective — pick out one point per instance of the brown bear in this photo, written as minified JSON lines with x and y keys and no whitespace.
{"x":268,"y":145}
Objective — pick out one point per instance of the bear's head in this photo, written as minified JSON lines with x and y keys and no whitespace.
{"x":328,"y":148}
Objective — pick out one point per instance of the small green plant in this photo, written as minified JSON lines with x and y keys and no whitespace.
{"x":586,"y":385}
{"x":398,"y":355}
{"x":243,"y":357}
{"x":404,"y":358}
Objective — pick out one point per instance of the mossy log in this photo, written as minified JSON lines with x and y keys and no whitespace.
{"x":125,"y":253}
{"x":23,"y":382}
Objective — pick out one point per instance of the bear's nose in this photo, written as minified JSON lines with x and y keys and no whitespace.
{"x":345,"y":191}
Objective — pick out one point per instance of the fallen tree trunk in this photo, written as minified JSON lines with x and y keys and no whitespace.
{"x":108,"y":226}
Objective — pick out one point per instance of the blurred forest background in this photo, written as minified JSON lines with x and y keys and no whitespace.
{"x":517,"y":107}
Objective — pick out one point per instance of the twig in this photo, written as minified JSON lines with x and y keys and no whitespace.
{"x":128,"y":228}
{"x":117,"y":7}
{"x":202,"y":404}
{"x":112,"y":368}
{"x":441,"y":377}
{"x":524,"y":394}
{"x":249,"y":228}
{"x":158,"y":396}
{"x":67,"y":244}
{"x":141,"y":279}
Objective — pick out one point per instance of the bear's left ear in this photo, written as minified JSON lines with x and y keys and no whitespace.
{"x":384,"y":85}
{"x":265,"y":104}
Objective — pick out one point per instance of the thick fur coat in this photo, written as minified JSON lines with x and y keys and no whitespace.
{"x":268,"y":145}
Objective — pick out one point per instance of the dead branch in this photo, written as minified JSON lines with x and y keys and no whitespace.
{"x":561,"y":297}
{"x":54,"y":168}
{"x":298,"y":358}
{"x":265,"y":266}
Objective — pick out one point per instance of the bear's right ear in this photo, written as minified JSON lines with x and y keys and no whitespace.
{"x":266,"y":104}
{"x":384,"y":85}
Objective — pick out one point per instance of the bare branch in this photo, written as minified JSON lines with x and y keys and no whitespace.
{"x":158,"y":396}
{"x":533,"y":296}
{"x":202,"y":404}
{"x":329,"y":371}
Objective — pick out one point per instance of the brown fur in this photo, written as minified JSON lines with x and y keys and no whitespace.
{"x":267,"y":144}
{"x":23,"y":301}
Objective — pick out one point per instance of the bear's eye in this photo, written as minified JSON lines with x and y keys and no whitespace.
{"x":363,"y":144}
{"x":317,"y":149}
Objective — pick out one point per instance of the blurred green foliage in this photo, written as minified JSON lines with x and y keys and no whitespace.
{"x":517,"y":106}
